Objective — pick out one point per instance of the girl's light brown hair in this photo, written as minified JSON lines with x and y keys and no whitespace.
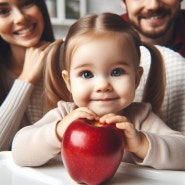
{"x":91,"y":26}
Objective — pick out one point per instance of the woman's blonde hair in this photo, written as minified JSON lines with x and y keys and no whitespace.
{"x":92,"y":26}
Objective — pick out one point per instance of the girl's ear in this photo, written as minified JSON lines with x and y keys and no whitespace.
{"x":66,"y":78}
{"x":138,"y":76}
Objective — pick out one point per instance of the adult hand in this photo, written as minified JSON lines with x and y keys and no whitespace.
{"x":35,"y":58}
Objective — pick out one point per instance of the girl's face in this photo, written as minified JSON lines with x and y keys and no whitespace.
{"x":21,"y":22}
{"x":102,"y":74}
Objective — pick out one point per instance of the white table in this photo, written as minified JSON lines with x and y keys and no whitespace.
{"x":54,"y":173}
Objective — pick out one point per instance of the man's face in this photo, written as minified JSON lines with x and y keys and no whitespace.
{"x":152,"y":18}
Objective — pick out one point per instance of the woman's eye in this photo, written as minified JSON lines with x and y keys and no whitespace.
{"x":117,"y":72}
{"x":28,"y":3}
{"x":87,"y":74}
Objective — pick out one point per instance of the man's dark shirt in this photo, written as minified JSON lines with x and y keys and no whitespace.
{"x":178,"y":41}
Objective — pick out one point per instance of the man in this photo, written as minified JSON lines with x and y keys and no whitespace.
{"x":160,"y":22}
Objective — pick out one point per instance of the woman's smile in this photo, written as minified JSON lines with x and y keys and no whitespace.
{"x":26,"y":31}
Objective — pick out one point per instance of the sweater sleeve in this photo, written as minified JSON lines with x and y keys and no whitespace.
{"x":12,"y":111}
{"x":166,"y":146}
{"x":36,"y":144}
{"x":166,"y":151}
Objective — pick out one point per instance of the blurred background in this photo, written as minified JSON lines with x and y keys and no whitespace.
{"x":64,"y":12}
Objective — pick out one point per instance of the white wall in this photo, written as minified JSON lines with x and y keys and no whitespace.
{"x":96,"y":6}
{"x":183,"y":4}
{"x":93,"y":6}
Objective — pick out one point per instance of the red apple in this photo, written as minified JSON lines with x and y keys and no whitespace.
{"x":92,"y":151}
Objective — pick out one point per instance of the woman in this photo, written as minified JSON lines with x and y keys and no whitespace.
{"x":25,"y":37}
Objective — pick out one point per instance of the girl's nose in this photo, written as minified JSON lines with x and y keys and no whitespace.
{"x":103,"y":86}
{"x":19,"y":16}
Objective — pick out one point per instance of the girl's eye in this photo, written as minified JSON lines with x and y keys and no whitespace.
{"x":87,"y":74}
{"x":117,"y":72}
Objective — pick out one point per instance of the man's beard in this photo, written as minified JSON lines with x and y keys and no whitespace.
{"x":159,"y":33}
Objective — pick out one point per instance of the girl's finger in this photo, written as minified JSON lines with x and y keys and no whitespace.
{"x":129,"y":129}
{"x":84,"y":112}
{"x":112,"y":118}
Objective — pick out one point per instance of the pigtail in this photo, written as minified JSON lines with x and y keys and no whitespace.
{"x":55,"y":88}
{"x":155,"y":86}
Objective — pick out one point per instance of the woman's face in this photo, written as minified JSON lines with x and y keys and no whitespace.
{"x":21,"y":22}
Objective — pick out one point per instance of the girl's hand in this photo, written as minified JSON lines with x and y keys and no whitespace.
{"x":135,"y":141}
{"x":35,"y":58}
{"x":82,"y":112}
